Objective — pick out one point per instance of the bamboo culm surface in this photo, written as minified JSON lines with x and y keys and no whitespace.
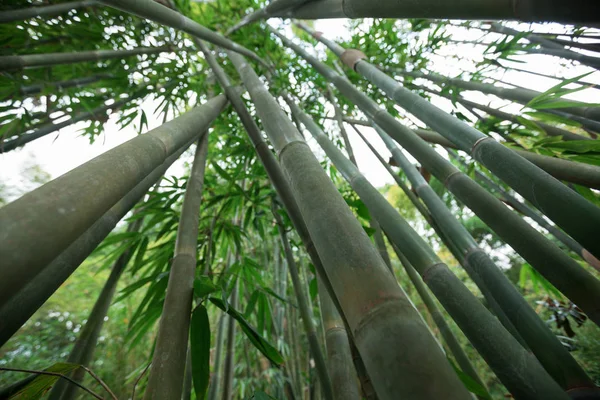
{"x":45,"y":221}
{"x":556,"y":266}
{"x":377,"y":311}
{"x":569,"y":210}
{"x":45,"y":11}
{"x":525,"y":378}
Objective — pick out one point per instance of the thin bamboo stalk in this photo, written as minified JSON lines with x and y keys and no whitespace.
{"x":568,"y":276}
{"x":377,"y":311}
{"x":553,"y":356}
{"x":83,"y":351}
{"x":305,"y":312}
{"x":215,"y":379}
{"x":45,"y":11}
{"x":477,"y":323}
{"x":275,"y":6}
{"x":168,"y":362}
{"x":469,"y":10}
{"x":157,"y":12}
{"x":534,"y":215}
{"x":339,"y":359}
{"x":438,"y":318}
{"x":31,"y":297}
{"x":228,"y":370}
{"x":559,"y":78}
{"x":572,"y":212}
{"x":44,"y":222}
{"x":77,"y":82}
{"x":51,"y":127}
{"x":8,"y":63}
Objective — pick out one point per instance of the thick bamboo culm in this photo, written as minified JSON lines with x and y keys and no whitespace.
{"x":45,"y":11}
{"x":569,"y":210}
{"x":352,"y":265}
{"x":44,"y":222}
{"x":560,"y":269}
{"x":464,"y":308}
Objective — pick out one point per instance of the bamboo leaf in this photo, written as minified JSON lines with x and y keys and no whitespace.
{"x":200,"y":350}
{"x":40,"y":385}
{"x":579,"y":146}
{"x":203,"y":286}
{"x":471,"y":384}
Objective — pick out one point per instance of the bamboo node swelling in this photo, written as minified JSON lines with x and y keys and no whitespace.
{"x":351,"y":57}
{"x":317,"y":34}
{"x":478,"y":142}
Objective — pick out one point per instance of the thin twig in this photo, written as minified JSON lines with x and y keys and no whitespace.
{"x":30,"y":371}
{"x":138,"y":381}
{"x":100,"y":381}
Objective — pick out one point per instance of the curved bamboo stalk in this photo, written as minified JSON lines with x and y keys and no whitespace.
{"x":39,"y":226}
{"x":339,"y":359}
{"x":534,"y":215}
{"x":377,"y":311}
{"x":51,"y":127}
{"x":305,"y":312}
{"x":45,"y":11}
{"x":156,"y":12}
{"x":572,"y":212}
{"x":438,"y":318}
{"x":556,"y":266}
{"x":167,"y":372}
{"x":476,"y":322}
{"x":579,"y":12}
{"x":8,"y":63}
{"x":83,"y":351}
{"x":553,"y":356}
{"x":31,"y":297}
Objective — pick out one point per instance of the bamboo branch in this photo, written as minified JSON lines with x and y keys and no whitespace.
{"x":45,"y":11}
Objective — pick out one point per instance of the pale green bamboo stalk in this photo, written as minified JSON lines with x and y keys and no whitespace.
{"x":561,"y":270}
{"x":39,"y":226}
{"x":8,"y":63}
{"x":523,"y":10}
{"x":525,"y":378}
{"x":157,"y":12}
{"x":215,"y":379}
{"x":44,"y":11}
{"x":380,"y":317}
{"x":305,"y":312}
{"x":572,"y":212}
{"x":165,"y":381}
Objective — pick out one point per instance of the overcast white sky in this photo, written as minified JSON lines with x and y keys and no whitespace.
{"x":59,"y":153}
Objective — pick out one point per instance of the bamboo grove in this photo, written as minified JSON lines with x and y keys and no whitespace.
{"x":256,"y":162}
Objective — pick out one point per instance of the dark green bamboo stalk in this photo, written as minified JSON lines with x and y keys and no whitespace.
{"x":188,"y":383}
{"x":45,"y":11}
{"x":438,"y":318}
{"x":305,"y":312}
{"x":39,"y":226}
{"x":497,"y":346}
{"x":527,"y":211}
{"x":8,"y":63}
{"x":339,"y":359}
{"x":545,"y":346}
{"x":556,"y":266}
{"x":572,"y":212}
{"x":31,"y":297}
{"x":51,"y":127}
{"x":77,"y":82}
{"x":168,"y":363}
{"x":83,"y":351}
{"x":157,"y":12}
{"x":523,"y":10}
{"x":377,"y":311}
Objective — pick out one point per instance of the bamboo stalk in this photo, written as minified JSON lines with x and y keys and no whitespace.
{"x":269,"y":10}
{"x":31,"y":297}
{"x":305,"y":312}
{"x":85,"y":345}
{"x":8,"y":63}
{"x":526,"y":380}
{"x":215,"y":379}
{"x":77,"y":82}
{"x":553,"y":356}
{"x":377,"y":311}
{"x":45,"y":11}
{"x":572,"y":212}
{"x":339,"y":358}
{"x":157,"y":12}
{"x":562,"y":271}
{"x":36,"y":228}
{"x":578,"y":12}
{"x":168,"y":362}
